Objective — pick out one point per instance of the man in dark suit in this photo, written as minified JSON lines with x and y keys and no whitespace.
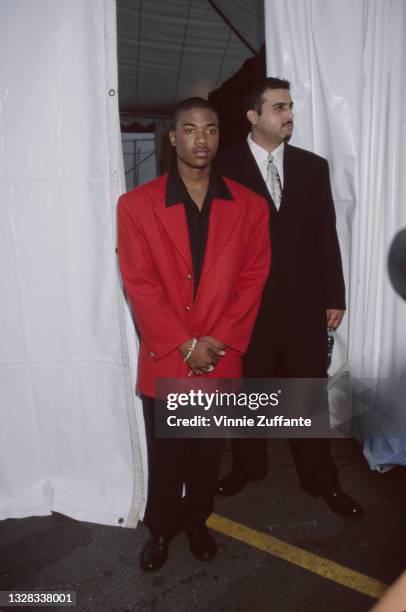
{"x":305,"y":292}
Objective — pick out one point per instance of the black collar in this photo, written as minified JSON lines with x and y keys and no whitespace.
{"x":176,"y":192}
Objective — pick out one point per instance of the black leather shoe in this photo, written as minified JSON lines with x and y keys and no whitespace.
{"x":341,"y":503}
{"x":235,"y":482}
{"x":155,"y":553}
{"x":202,"y":543}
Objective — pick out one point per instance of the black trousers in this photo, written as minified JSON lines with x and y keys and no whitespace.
{"x":285,"y":356}
{"x":314,"y":464}
{"x":173,"y":463}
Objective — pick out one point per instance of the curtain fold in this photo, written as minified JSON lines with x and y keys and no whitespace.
{"x":346,"y":64}
{"x":66,"y":367}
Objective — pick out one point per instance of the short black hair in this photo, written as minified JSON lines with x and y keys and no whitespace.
{"x":255,"y":100}
{"x":188,"y":104}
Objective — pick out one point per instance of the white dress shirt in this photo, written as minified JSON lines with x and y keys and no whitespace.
{"x":261,"y":157}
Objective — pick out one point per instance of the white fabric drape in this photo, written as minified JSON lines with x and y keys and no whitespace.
{"x":68,"y":429}
{"x":345,"y":61}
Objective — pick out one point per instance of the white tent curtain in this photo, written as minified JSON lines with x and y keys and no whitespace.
{"x":68,"y":428}
{"x":346,"y":64}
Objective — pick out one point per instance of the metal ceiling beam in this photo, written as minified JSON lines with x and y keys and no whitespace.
{"x":233,"y":28}
{"x":182,"y":51}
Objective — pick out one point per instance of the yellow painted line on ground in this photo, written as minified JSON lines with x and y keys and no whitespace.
{"x":298,"y":556}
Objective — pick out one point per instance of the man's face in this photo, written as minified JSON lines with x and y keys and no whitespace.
{"x":275,"y":123}
{"x":196,"y":137}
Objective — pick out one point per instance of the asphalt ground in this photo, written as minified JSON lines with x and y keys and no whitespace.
{"x":278,"y":550}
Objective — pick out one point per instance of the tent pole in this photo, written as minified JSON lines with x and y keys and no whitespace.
{"x":233,"y":28}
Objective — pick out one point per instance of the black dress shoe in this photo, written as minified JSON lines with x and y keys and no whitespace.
{"x":202,"y":543}
{"x":155,"y":553}
{"x":235,"y":482}
{"x":341,"y":503}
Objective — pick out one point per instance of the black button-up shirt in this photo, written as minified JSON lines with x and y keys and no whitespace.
{"x":197,"y":219}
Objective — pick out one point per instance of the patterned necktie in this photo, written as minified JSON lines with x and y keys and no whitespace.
{"x":273,"y":181}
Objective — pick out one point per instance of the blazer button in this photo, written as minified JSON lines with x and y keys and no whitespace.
{"x":189,"y":276}
{"x":152,"y":354}
{"x":187,"y":308}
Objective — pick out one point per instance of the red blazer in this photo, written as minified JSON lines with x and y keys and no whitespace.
{"x":156,"y":266}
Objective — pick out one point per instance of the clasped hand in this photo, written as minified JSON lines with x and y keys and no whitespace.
{"x":205,"y":356}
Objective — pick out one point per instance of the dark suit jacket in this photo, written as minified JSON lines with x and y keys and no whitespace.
{"x":306,"y":274}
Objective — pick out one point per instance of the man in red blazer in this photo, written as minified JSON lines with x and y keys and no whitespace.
{"x":194,"y":255}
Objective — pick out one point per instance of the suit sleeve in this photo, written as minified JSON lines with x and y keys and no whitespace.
{"x":235,"y":326}
{"x":143,"y":287}
{"x":329,"y":248}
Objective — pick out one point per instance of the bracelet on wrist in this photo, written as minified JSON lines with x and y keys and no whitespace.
{"x":191,"y":349}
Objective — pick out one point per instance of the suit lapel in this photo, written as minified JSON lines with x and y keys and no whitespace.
{"x":253,"y":178}
{"x":252,"y":174}
{"x":223,"y":216}
{"x":287,"y":171}
{"x":294,"y":178}
{"x":173,"y":219}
